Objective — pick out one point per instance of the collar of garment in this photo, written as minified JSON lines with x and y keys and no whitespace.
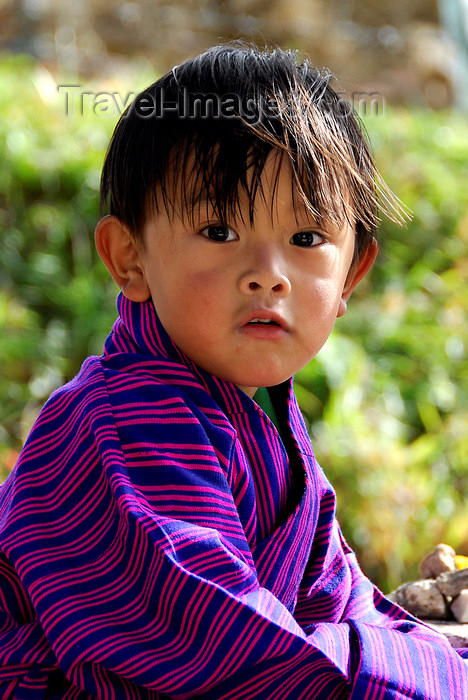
{"x":139,"y":332}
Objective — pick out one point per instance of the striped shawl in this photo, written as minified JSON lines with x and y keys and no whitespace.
{"x":159,"y":540}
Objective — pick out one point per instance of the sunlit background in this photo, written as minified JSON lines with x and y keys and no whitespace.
{"x":387,"y":398}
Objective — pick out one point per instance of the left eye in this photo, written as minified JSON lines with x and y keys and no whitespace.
{"x":307,"y":239}
{"x":217,"y":232}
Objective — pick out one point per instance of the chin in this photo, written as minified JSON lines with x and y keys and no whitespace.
{"x":261,"y":379}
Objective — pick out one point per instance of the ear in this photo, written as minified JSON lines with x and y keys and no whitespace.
{"x":118,"y":251}
{"x":356,"y":273}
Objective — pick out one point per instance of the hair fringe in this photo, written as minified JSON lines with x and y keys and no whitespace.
{"x":177,"y":163}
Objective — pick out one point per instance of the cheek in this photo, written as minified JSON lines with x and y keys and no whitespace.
{"x":191,"y":297}
{"x":207,"y":287}
{"x":323,"y":295}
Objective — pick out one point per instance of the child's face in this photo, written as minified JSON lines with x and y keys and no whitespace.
{"x":211,"y":285}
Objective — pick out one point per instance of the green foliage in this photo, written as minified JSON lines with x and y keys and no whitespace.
{"x":56,"y":298}
{"x":387,"y":397}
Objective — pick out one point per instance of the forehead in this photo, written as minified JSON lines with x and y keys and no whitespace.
{"x":193,"y":188}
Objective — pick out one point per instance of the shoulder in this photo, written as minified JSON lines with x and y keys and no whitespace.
{"x":83,"y":388}
{"x":77,"y":398}
{"x":62,"y":443}
{"x":68,"y":414}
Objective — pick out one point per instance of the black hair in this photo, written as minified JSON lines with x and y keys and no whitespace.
{"x":205,"y":129}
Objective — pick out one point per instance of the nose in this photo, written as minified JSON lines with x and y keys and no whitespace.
{"x":265,"y":275}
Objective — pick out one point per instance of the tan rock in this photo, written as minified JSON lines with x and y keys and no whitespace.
{"x":437,"y":562}
{"x":459,"y":606}
{"x":452,"y":583}
{"x":422,"y":599}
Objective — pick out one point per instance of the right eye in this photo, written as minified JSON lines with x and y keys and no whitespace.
{"x":219,"y":233}
{"x":307,"y":239}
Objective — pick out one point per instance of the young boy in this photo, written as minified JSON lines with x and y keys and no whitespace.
{"x":162,"y":535}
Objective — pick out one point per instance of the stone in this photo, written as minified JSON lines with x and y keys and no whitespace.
{"x":422,"y":599}
{"x":437,"y":562}
{"x":459,"y":606}
{"x":452,"y":583}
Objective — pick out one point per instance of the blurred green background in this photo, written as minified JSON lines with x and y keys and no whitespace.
{"x":387,"y":398}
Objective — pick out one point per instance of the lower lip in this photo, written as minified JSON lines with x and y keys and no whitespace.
{"x":263,"y":331}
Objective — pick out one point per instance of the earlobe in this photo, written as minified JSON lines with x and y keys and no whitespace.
{"x":357,"y":273}
{"x":119,"y":253}
{"x":342,"y":308}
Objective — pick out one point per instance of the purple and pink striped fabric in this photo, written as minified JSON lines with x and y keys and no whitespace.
{"x":159,"y":540}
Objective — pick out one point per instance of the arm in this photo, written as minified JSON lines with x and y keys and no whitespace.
{"x":391,"y":649}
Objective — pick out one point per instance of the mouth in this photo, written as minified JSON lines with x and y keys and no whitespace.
{"x":262,"y":323}
{"x":264,"y":317}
